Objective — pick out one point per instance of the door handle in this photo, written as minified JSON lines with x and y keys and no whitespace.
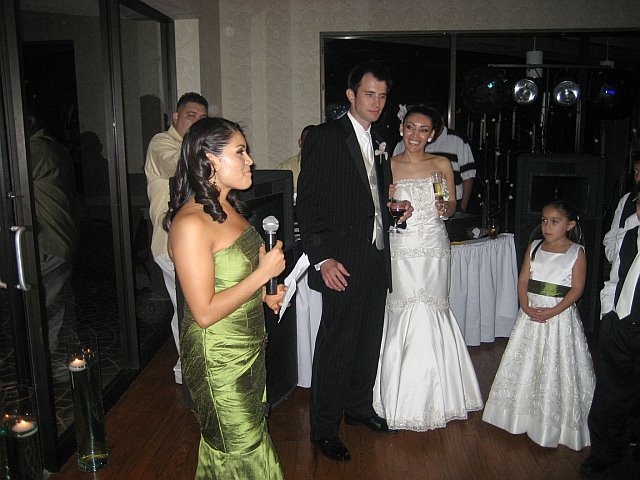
{"x":17,"y":240}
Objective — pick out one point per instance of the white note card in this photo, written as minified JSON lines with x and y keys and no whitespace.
{"x":291,"y":282}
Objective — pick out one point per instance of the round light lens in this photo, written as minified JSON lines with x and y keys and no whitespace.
{"x":566,"y":93}
{"x":525,"y":91}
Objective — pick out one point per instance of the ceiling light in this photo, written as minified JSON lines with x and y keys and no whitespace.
{"x":524,"y":91}
{"x":610,"y":94}
{"x":566,"y":93}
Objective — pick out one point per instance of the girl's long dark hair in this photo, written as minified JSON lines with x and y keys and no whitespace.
{"x":569,"y":211}
{"x":195,"y":171}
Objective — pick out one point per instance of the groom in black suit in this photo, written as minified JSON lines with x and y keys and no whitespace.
{"x":341,"y":206}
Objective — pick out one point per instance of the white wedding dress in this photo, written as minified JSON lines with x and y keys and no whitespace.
{"x":545,"y":381}
{"x":425,"y":375}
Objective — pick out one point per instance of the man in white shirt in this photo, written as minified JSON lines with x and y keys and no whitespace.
{"x":616,"y":400}
{"x":626,"y":217}
{"x":162,"y":159}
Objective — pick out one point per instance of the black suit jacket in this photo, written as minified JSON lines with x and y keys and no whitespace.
{"x":334,"y":205}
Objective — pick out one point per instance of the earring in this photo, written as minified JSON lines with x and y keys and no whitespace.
{"x":401,"y":133}
{"x":213,"y":180}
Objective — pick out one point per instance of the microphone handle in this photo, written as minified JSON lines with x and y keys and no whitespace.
{"x":272,"y":284}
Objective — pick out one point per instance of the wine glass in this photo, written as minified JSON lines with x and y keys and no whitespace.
{"x":437,"y":180}
{"x":397,"y":209}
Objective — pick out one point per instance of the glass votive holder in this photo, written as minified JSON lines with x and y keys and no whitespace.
{"x":19,"y":431}
{"x":493,"y":227}
{"x":90,"y":426}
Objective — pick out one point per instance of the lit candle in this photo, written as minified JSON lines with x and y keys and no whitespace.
{"x":77,"y":365}
{"x":24,"y":428}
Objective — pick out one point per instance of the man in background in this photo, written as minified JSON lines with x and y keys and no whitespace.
{"x":625,"y":218}
{"x":162,"y":159}
{"x":615,"y":409}
{"x":293,"y":163}
{"x":54,"y":192}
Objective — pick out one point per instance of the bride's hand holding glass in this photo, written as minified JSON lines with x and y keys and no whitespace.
{"x":400,"y":210}
{"x":443,"y":209}
{"x":438,"y":181}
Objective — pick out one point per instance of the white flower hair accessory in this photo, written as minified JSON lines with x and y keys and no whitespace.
{"x":402,"y":111}
{"x":381,"y":152}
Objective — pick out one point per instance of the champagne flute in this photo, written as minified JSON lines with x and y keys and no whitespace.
{"x":397,"y":209}
{"x":437,"y":180}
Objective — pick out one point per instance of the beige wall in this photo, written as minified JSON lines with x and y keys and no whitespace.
{"x":187,"y":55}
{"x":197,"y":44}
{"x":269,"y":50}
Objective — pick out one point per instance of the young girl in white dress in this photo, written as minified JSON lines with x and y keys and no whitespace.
{"x":545,"y":381}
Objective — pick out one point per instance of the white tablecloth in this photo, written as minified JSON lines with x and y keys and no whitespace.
{"x":484,"y":283}
{"x":308,"y":313}
{"x":483,"y":297}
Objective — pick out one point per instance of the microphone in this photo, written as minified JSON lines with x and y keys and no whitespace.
{"x":270,"y":226}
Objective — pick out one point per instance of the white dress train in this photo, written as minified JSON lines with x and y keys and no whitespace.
{"x":425,"y":375}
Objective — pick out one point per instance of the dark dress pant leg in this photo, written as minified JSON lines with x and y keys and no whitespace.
{"x":617,"y":388}
{"x":359,"y":402}
{"x":347,"y":350}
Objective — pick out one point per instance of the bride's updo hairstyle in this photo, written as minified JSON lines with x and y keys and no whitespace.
{"x":432,"y":113}
{"x":195,"y":175}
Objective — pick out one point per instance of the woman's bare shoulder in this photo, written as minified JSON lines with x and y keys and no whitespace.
{"x":191,"y":225}
{"x":190,"y":216}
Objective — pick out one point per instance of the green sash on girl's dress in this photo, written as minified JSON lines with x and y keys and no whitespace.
{"x":547,"y":289}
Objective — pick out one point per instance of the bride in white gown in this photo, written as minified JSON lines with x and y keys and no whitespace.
{"x":425,"y":375}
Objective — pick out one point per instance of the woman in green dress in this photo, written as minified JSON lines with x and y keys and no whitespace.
{"x":222,"y":266}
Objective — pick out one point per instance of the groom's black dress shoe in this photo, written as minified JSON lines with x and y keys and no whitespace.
{"x":594,"y":465}
{"x":333,"y":448}
{"x":375,"y":423}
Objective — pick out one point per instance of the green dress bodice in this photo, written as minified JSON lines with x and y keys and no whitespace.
{"x":224,"y":368}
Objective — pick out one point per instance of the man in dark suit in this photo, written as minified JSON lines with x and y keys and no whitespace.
{"x":616,"y":400}
{"x":342,"y":193}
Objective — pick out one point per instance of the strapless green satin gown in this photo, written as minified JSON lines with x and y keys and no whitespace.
{"x":224,"y":367}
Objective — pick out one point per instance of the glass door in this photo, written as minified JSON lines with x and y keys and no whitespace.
{"x":146,"y":110}
{"x":11,"y":307}
{"x":21,"y":297}
{"x":64,"y":201}
{"x":68,"y":261}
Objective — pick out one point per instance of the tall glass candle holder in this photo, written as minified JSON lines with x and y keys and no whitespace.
{"x":4,"y":468}
{"x":90,"y":425}
{"x":19,"y":430}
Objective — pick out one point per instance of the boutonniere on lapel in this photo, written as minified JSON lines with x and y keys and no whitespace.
{"x":381,"y":152}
